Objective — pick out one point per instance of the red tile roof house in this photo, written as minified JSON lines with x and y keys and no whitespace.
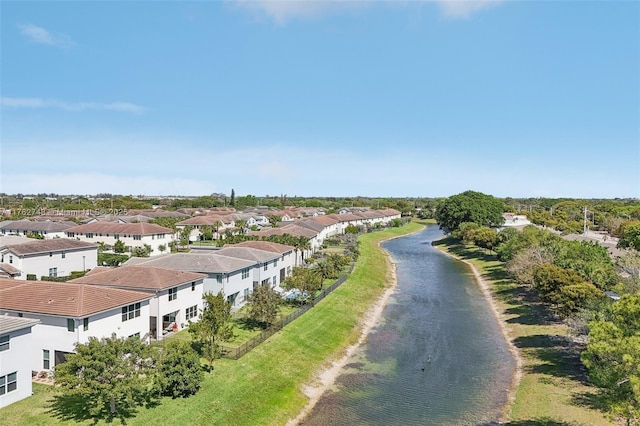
{"x":70,"y":313}
{"x":217,"y":223}
{"x":16,"y":340}
{"x":131,"y":234}
{"x":46,"y":228}
{"x":57,"y":257}
{"x":176,"y":296}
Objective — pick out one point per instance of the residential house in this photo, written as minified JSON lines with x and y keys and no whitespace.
{"x":231,"y":275}
{"x":47,"y":228}
{"x":216,"y":223}
{"x":269,"y":264}
{"x":287,"y":254}
{"x":52,"y":258}
{"x":131,"y":234}
{"x":176,"y":296}
{"x":16,"y":340}
{"x":70,"y":313}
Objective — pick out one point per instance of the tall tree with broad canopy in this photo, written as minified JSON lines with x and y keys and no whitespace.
{"x":612,"y":358}
{"x":264,"y":304}
{"x":107,"y":378}
{"x":214,"y":325}
{"x":306,"y":280}
{"x":630,"y":235}
{"x":469,"y":206}
{"x":179,"y":370}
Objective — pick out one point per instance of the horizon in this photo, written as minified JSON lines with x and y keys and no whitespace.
{"x":429,"y":98}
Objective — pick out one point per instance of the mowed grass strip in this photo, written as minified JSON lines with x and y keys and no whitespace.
{"x":553,"y":388}
{"x":265,"y":386}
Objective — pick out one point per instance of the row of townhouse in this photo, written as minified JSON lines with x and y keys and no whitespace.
{"x":56,"y":257}
{"x":45,"y":228}
{"x":131,"y":234}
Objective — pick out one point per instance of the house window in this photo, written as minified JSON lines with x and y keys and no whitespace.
{"x":130,"y":312}
{"x":116,"y":236}
{"x":71,"y":234}
{"x":266,"y":265}
{"x":191,"y":312}
{"x":10,"y":259}
{"x":71,"y":324}
{"x":137,"y":237}
{"x":46,"y":359}
{"x":246,"y":292}
{"x":8,"y":383}
{"x":53,"y":272}
{"x":85,"y":324}
{"x":64,"y":255}
{"x":245,"y":273}
{"x":173,"y":293}
{"x":275,"y":280}
{"x":193,"y":286}
{"x":89,"y":235}
{"x":275,"y":263}
{"x":50,"y":254}
{"x":4,"y":343}
{"x":219,"y":278}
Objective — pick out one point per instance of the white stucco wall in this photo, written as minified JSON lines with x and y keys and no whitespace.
{"x":130,"y":241}
{"x":14,"y":360}
{"x":39,"y":264}
{"x":186,"y":298}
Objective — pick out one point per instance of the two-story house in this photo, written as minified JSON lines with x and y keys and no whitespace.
{"x":131,"y":234}
{"x":16,"y":340}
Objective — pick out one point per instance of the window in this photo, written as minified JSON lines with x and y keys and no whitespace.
{"x":137,"y":237}
{"x":71,"y":234}
{"x":71,"y":324}
{"x":275,"y":263}
{"x":275,"y":280}
{"x":10,"y":259}
{"x":20,"y":314}
{"x":85,"y":324}
{"x":245,"y":273}
{"x":116,"y":236}
{"x":191,"y":312}
{"x":89,"y":234}
{"x":219,"y":278}
{"x":4,"y":343}
{"x":64,"y":255}
{"x":246,"y":292}
{"x":46,"y":360}
{"x":266,"y":265}
{"x":193,"y":286}
{"x":53,"y":272}
{"x":173,"y":293}
{"x":130,"y":312}
{"x":8,"y":383}
{"x":50,"y":254}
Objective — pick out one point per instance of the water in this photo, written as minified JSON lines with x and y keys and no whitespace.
{"x":436,"y":357}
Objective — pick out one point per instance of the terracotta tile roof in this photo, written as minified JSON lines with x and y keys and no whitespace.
{"x":120,"y":228}
{"x":324,"y":220}
{"x":346,"y":217}
{"x":140,"y":277}
{"x":39,"y":226}
{"x":264,"y":245}
{"x":46,"y":246}
{"x":9,"y":269}
{"x":248,"y":254}
{"x":63,"y":299}
{"x":291,"y":229}
{"x":310,"y":224}
{"x":205,"y":220}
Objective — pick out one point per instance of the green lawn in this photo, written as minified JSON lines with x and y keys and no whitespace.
{"x":553,"y":389}
{"x":264,"y":386}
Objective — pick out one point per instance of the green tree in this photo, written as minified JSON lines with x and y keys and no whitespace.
{"x":589,"y":259}
{"x":264,"y":304}
{"x":305,"y":280}
{"x":214,"y":325}
{"x":162,"y":248}
{"x":630,"y":235}
{"x":485,"y":237}
{"x":232,"y":201}
{"x":107,"y":378}
{"x":469,"y":206}
{"x":179,"y":371}
{"x":185,"y":234}
{"x":564,"y":289}
{"x":612,"y":358}
{"x":119,"y":247}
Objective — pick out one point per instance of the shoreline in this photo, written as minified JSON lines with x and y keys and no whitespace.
{"x":328,"y":374}
{"x":502,"y":324}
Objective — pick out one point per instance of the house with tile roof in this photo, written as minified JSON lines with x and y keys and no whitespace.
{"x":56,"y":257}
{"x":70,"y":313}
{"x":270,"y":271}
{"x":176,"y":296}
{"x":217,"y":223}
{"x":131,"y":234}
{"x":46,"y":228}
{"x":16,"y":340}
{"x":231,"y":275}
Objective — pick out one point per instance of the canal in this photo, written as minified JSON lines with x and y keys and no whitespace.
{"x":436,"y":357}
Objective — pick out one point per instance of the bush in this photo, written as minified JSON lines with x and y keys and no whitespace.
{"x":32,"y":277}
{"x":179,"y":370}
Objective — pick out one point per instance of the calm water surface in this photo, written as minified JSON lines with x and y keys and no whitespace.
{"x":436,"y":357}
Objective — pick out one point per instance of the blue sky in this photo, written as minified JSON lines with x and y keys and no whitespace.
{"x":321,"y":98}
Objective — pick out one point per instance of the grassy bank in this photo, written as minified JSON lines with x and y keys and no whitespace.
{"x":263,"y":387}
{"x":552,"y":389}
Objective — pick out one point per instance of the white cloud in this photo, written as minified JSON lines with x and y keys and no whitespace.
{"x":71,"y":106}
{"x":282,"y":11}
{"x":41,"y":36}
{"x":464,"y":8}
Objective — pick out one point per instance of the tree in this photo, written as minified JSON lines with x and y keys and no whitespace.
{"x":119,"y":247}
{"x":179,"y":371}
{"x":214,"y":325}
{"x":589,"y":259}
{"x":232,"y":201}
{"x":185,"y":235}
{"x":108,"y":378}
{"x":630,"y":235}
{"x":485,"y":237}
{"x":264,"y":304}
{"x":162,"y":248}
{"x":469,"y":206}
{"x":305,"y":280}
{"x":525,"y":263}
{"x":612,"y":358}
{"x":564,"y":288}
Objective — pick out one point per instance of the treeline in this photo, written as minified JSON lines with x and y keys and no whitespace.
{"x":577,"y":280}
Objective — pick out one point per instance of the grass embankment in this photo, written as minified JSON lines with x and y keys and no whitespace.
{"x":552,"y":389}
{"x":265,"y":386}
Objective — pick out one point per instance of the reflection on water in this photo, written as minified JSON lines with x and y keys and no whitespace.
{"x":436,"y":357}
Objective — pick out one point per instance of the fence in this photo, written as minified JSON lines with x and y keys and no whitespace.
{"x":236,"y":353}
